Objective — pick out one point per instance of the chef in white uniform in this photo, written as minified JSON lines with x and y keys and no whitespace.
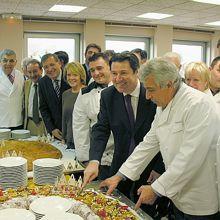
{"x":186,"y":131}
{"x":11,"y":91}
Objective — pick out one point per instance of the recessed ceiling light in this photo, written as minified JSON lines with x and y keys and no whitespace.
{"x":67,"y":8}
{"x":215,"y":23}
{"x":154,"y":16}
{"x":215,"y":2}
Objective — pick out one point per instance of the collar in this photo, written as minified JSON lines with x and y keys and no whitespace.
{"x":59,"y":77}
{"x":136,"y":91}
{"x":12,"y":73}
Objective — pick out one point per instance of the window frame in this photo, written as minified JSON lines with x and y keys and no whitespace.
{"x":74,"y":36}
{"x":146,"y":40}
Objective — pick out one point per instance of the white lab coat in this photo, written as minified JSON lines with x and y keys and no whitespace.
{"x":85,"y":113}
{"x":186,"y":133}
{"x":11,"y":100}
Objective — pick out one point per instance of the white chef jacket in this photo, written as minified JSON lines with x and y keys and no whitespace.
{"x":85,"y":113}
{"x":186,"y":132}
{"x":11,"y":99}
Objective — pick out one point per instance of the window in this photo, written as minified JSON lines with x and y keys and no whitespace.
{"x":38,"y":44}
{"x":190,"y":51}
{"x":119,"y":44}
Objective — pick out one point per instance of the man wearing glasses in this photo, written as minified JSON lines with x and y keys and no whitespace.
{"x":11,"y":91}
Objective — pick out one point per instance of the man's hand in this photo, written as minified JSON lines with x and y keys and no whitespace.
{"x":147,"y":196}
{"x":153,"y":176}
{"x":57,"y":134}
{"x":91,"y":172}
{"x":111,"y":183}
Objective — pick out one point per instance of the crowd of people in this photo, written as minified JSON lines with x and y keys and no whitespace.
{"x":135,"y":124}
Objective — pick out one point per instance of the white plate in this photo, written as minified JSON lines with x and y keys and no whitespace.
{"x":12,"y":161}
{"x":47,"y":162}
{"x":49,"y":204}
{"x":20,"y":131}
{"x":61,"y":216}
{"x":5,"y":130}
{"x":16,"y":214}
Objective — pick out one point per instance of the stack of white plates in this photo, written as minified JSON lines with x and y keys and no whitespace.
{"x":5,"y":134}
{"x":13,"y":172}
{"x":61,"y":216}
{"x":16,"y":214}
{"x":47,"y":170}
{"x":44,"y":205}
{"x":20,"y":134}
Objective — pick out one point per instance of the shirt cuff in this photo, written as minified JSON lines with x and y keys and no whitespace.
{"x":96,"y":161}
{"x":121,"y":175}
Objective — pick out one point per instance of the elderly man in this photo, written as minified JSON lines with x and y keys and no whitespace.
{"x":126,"y":113}
{"x":24,"y":63}
{"x":11,"y":91}
{"x":51,"y":88}
{"x":86,"y":110}
{"x":90,"y":50}
{"x":186,"y":131}
{"x":33,"y":120}
{"x":215,"y":79}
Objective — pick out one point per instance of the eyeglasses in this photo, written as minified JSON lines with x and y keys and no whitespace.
{"x":8,"y":60}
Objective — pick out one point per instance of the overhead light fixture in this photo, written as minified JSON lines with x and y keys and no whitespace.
{"x":67,"y":8}
{"x":214,"y":2}
{"x":154,"y":16}
{"x":215,"y":23}
{"x":12,"y":16}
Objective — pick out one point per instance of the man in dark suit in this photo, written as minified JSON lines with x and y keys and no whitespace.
{"x":115,"y":116}
{"x":51,"y":88}
{"x":90,"y":50}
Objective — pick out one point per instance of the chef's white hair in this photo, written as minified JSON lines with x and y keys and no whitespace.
{"x":162,"y":70}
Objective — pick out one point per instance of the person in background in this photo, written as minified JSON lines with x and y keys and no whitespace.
{"x":24,"y":63}
{"x":75,"y":76}
{"x":85,"y":113}
{"x":11,"y":91}
{"x":51,"y":88}
{"x":90,"y":50}
{"x":32,"y":119}
{"x":197,"y":75}
{"x":63,"y":57}
{"x":186,"y":131}
{"x":109,"y":53}
{"x":141,"y":54}
{"x":215,"y":79}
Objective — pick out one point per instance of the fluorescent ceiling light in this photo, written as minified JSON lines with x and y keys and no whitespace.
{"x":215,"y":23}
{"x":67,"y":8}
{"x":215,"y":2}
{"x":154,"y":16}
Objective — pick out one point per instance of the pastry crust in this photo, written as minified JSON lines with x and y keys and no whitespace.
{"x":31,"y":150}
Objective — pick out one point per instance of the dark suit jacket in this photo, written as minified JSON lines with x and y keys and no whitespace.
{"x":88,"y":74}
{"x":50,"y":105}
{"x":113,"y":117}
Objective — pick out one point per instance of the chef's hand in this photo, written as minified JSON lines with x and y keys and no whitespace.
{"x":111,"y":183}
{"x":153,"y":176}
{"x":91,"y":172}
{"x":57,"y":134}
{"x":147,"y":196}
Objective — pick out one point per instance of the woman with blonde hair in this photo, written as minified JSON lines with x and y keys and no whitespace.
{"x":75,"y":75}
{"x":197,"y":75}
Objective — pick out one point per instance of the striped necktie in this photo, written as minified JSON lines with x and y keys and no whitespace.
{"x":11,"y":78}
{"x":57,"y":87}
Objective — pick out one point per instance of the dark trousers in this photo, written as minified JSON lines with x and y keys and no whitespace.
{"x":103,"y":172}
{"x":17,"y":128}
{"x":182,"y":216}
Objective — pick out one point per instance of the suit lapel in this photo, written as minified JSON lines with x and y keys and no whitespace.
{"x":122,"y":113}
{"x":27,"y":92}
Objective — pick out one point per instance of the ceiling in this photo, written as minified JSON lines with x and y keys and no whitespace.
{"x":186,"y":13}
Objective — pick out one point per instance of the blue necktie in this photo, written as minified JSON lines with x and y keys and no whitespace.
{"x":131,"y":120}
{"x":36,"y":117}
